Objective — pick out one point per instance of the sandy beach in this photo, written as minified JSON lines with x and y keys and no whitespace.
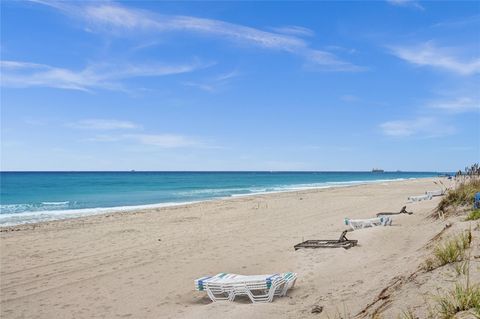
{"x":142,"y":264}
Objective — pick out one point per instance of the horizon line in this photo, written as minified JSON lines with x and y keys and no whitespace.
{"x":220,"y":171}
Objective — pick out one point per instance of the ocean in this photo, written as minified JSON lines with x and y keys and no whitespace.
{"x":27,"y":197}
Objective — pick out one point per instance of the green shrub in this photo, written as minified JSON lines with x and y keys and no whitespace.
{"x":453,"y":250}
{"x":474,"y":215}
{"x":462,"y":298}
{"x":464,"y":194}
{"x":449,"y":253}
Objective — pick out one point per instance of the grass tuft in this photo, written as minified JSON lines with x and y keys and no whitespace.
{"x":461,"y":298}
{"x":453,"y":250}
{"x":462,"y":268}
{"x":474,"y":215}
{"x":407,"y":314}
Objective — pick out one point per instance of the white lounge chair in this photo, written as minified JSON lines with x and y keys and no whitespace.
{"x":369,"y":222}
{"x":260,"y":288}
{"x":419,"y":198}
{"x":437,"y":192}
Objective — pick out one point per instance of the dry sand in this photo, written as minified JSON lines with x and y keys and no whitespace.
{"x":142,"y":264}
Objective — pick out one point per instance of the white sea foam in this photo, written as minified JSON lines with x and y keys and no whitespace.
{"x":300,"y":187}
{"x":11,"y":219}
{"x":56,"y":203}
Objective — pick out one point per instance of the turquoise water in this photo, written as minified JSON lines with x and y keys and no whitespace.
{"x":40,"y":196}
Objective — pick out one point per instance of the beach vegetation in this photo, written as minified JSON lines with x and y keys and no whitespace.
{"x":451,"y":251}
{"x":429,"y":264}
{"x":407,"y":314}
{"x":463,"y":297}
{"x":462,"y":268}
{"x":463,"y":194}
{"x":474,"y":215}
{"x":454,"y":249}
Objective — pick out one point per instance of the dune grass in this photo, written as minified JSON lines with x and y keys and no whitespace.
{"x":463,"y":195}
{"x":474,"y":215}
{"x":451,"y":251}
{"x":463,"y":297}
{"x":407,"y":314}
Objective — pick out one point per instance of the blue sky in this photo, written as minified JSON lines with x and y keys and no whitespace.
{"x":240,"y":85}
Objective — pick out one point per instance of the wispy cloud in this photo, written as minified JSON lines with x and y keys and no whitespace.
{"x":458,"y":23}
{"x":428,"y":54}
{"x":458,"y":105}
{"x":338,"y":48}
{"x":165,"y":140}
{"x":106,"y":76}
{"x":406,"y":3}
{"x":120,"y":20}
{"x":112,"y":130}
{"x":154,"y":140}
{"x":103,"y":124}
{"x":213,"y":84}
{"x":294,"y":30}
{"x":426,"y":127}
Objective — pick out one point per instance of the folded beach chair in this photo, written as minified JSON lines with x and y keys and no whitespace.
{"x":420,"y":198}
{"x":342,"y":242}
{"x":371,"y":222}
{"x":260,"y":288}
{"x":476,"y":203}
{"x":402,"y":211}
{"x":438,"y":192}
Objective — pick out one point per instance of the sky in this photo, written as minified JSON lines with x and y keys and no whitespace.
{"x":110,"y":85}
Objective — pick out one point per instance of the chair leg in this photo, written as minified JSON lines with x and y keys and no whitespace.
{"x":219,"y":296}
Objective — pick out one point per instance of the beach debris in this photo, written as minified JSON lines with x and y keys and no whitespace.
{"x":317,"y":309}
{"x":402,"y":211}
{"x":9,"y":229}
{"x":342,"y":242}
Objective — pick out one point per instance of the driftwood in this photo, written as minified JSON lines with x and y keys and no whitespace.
{"x":402,"y":211}
{"x":342,"y":242}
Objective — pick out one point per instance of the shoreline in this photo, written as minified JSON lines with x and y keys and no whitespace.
{"x":95,"y":211}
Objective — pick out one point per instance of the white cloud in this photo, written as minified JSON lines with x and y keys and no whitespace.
{"x":107,"y":76}
{"x":103,"y":125}
{"x":119,"y":20}
{"x":155,"y":140}
{"x":428,"y":54}
{"x":426,"y":127}
{"x":164,"y":140}
{"x":459,"y":23}
{"x":294,"y":30}
{"x":215,"y":83}
{"x":458,"y":105}
{"x":406,"y":3}
{"x":329,"y":62}
{"x":338,"y":48}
